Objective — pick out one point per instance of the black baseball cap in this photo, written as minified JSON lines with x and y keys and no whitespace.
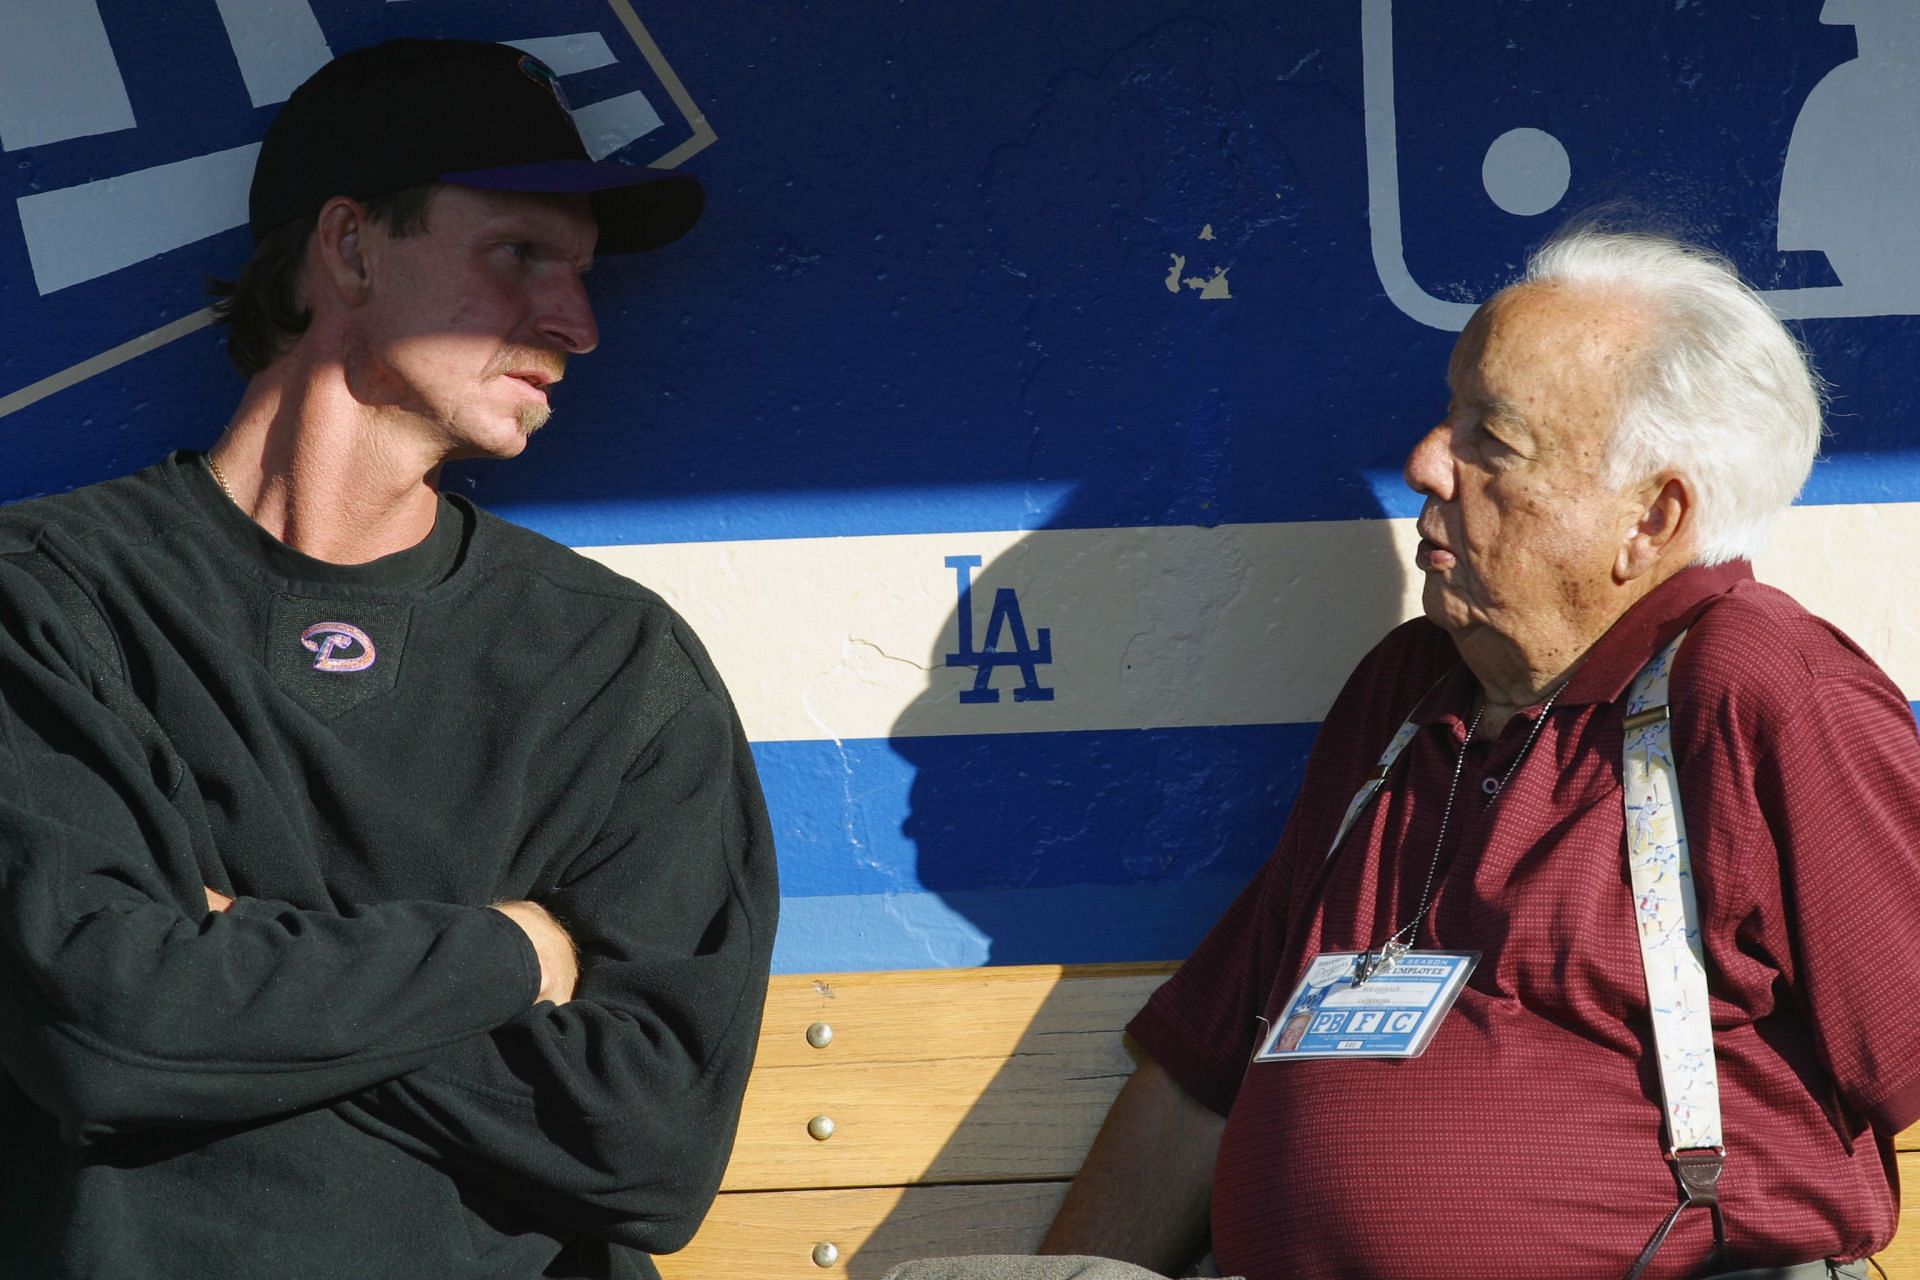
{"x":474,"y":114}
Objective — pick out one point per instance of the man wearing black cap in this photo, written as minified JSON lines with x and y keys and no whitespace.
{"x":385,"y":891}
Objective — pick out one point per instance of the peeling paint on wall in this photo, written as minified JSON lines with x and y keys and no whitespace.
{"x":1214,"y":286}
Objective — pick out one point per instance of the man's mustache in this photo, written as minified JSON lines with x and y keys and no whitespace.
{"x":545,"y":361}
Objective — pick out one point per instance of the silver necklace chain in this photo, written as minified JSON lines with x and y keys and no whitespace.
{"x":1377,"y":960}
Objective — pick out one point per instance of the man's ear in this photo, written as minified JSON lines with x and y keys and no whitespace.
{"x":1661,"y":529}
{"x":341,"y":250}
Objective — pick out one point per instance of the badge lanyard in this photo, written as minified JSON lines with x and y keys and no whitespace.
{"x":1389,"y":1000}
{"x":1380,"y":959}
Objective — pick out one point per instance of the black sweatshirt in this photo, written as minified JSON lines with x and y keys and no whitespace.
{"x":346,"y":1075}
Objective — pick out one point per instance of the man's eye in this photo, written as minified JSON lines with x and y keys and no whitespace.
{"x":1496,"y":452}
{"x":518,"y":248}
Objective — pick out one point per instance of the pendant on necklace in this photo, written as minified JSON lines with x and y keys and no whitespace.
{"x":1374,"y":964}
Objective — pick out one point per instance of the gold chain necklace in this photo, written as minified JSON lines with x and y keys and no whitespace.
{"x":220,"y":478}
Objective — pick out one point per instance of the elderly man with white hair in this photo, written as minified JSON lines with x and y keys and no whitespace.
{"x":1583,"y":952}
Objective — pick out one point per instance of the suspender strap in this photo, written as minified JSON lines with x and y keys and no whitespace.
{"x":1698,"y":1173}
{"x":1671,"y":952}
{"x":1667,"y":914}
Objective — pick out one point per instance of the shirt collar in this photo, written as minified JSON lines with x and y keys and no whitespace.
{"x":1617,"y":656}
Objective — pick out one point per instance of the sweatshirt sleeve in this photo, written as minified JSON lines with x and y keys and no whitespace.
{"x":613,"y":1115}
{"x":125,"y":1004}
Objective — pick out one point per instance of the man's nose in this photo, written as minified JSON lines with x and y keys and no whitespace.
{"x":1429,"y":468}
{"x":566,"y":317}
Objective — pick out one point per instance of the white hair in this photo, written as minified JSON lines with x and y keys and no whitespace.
{"x":1724,"y":397}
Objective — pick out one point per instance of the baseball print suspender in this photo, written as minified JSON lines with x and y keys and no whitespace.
{"x":1671,"y":951}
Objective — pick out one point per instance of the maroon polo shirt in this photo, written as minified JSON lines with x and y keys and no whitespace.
{"x":1527,"y":1139}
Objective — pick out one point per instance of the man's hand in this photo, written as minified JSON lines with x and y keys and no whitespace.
{"x":217,"y":901}
{"x":559,"y":962}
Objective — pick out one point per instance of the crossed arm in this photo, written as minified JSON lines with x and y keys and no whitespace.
{"x":559,"y":958}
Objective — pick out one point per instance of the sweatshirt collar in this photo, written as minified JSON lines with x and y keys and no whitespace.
{"x":426,"y":562}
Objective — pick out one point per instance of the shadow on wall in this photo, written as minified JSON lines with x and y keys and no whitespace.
{"x":1145,"y":698}
{"x":1229,"y":642}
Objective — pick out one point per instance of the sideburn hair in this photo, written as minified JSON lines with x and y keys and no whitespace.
{"x":262,"y":307}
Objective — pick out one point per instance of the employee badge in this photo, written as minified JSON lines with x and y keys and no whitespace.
{"x":1357,"y":1004}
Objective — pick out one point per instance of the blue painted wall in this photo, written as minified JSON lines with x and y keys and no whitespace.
{"x":1037,"y":267}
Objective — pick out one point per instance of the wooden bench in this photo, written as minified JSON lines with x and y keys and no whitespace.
{"x":913,"y":1114}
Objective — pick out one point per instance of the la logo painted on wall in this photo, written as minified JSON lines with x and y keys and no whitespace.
{"x":1007,"y":642}
{"x":130,"y":135}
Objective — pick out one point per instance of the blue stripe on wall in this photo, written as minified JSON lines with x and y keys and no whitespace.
{"x":989,"y":860}
{"x":1029,"y":811}
{"x":1079,"y":924}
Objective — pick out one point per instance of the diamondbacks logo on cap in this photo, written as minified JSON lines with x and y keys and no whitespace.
{"x":338,"y":646}
{"x":540,"y":73}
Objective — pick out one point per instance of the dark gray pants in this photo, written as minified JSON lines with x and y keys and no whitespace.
{"x":1018,"y":1267}
{"x":1805,"y":1271}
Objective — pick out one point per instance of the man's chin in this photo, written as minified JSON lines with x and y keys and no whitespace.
{"x":532,"y":418}
{"x":1442,"y":607}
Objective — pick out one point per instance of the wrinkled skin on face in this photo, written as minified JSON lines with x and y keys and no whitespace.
{"x":464,"y":326}
{"x":1522,"y":540}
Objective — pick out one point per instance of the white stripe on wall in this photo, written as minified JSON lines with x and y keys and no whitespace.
{"x":82,"y":232}
{"x":611,"y":124}
{"x":822,"y":638}
{"x":564,"y":55}
{"x":278,"y":44}
{"x":58,"y":75}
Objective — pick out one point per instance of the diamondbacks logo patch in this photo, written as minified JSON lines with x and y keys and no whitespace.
{"x":338,"y":646}
{"x":332,"y":666}
{"x":540,"y":73}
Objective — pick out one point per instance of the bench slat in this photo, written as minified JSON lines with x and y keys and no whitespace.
{"x":970,"y":1120}
{"x":947,"y":1077}
{"x":913,"y":1015}
{"x":771,"y":1235}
